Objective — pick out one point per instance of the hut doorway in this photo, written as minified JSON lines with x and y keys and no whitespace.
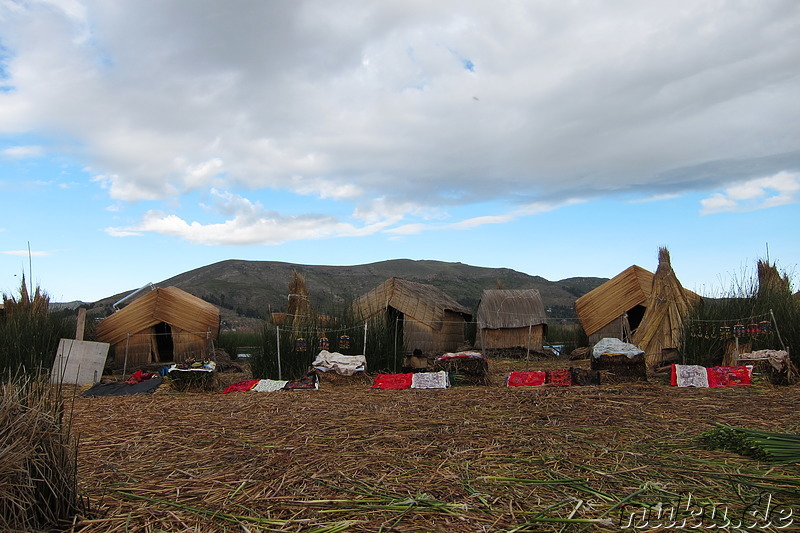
{"x":635,"y":315}
{"x":164,"y":343}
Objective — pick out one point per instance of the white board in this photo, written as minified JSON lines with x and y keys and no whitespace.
{"x":79,"y":362}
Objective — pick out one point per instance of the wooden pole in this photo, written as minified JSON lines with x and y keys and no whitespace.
{"x":278,"y":344}
{"x":81,"y":324}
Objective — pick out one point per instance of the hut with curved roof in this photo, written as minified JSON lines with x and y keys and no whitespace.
{"x":165,"y":324}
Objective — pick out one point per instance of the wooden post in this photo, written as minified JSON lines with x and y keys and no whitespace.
{"x":81,"y":326}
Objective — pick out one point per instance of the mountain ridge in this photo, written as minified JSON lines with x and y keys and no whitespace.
{"x":256,"y":288}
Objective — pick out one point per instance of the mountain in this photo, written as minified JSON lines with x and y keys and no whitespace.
{"x":256,"y":288}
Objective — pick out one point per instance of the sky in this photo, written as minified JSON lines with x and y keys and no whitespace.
{"x":142,"y":139}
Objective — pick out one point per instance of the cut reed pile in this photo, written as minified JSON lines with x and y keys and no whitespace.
{"x":38,"y":467}
{"x":463,"y":459}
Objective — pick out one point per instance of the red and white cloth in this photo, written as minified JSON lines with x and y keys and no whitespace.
{"x":717,"y":376}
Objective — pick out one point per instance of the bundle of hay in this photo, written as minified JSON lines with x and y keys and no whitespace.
{"x":471,"y":370}
{"x":38,"y":459}
{"x":667,"y":306}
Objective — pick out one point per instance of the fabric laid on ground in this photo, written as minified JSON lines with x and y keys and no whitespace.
{"x":561,"y":377}
{"x":430,"y":380}
{"x":344,"y":365}
{"x":717,"y":376}
{"x":121,"y":388}
{"x":307,"y":382}
{"x":526,"y":379}
{"x":729,"y":376}
{"x":689,"y":376}
{"x":393,"y":381}
{"x":241,"y":386}
{"x":269,"y":385}
{"x":611,"y":346}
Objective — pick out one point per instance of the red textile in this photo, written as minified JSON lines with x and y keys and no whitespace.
{"x":392,"y":381}
{"x":673,"y":376}
{"x":560,"y":378}
{"x":728,"y":376}
{"x":241,"y":386}
{"x":138,"y":377}
{"x":526,"y":379}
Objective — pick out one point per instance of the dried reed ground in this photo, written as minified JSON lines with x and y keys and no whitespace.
{"x":348,"y":458}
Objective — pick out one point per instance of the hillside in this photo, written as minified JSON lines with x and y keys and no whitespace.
{"x":255,"y":288}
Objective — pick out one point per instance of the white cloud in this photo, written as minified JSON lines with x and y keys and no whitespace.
{"x":760,"y":193}
{"x":421,"y":106}
{"x":25,"y":253}
{"x":248,"y":224}
{"x":22,"y":152}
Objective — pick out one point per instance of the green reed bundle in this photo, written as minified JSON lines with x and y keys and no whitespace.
{"x":762,"y":445}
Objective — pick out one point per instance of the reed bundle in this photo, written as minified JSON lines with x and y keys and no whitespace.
{"x":759,"y":444}
{"x":38,"y":466}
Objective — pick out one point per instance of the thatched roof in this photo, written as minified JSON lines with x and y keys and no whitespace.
{"x":604,"y":304}
{"x":501,"y":309}
{"x":667,"y":306}
{"x":171,"y":305}
{"x":422,"y":302}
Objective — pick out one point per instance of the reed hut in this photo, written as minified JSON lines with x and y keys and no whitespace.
{"x":427,"y":318}
{"x":166,"y":324}
{"x":616,"y":307}
{"x":511,"y":323}
{"x":667,"y":305}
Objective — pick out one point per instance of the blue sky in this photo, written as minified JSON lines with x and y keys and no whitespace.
{"x":139,"y":140}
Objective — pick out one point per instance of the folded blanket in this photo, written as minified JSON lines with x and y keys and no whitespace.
{"x":344,"y":365}
{"x":241,"y":386}
{"x":561,"y":377}
{"x":526,"y":379}
{"x":393,"y":381}
{"x":269,"y":385}
{"x":729,"y":376}
{"x":307,"y":382}
{"x":460,"y":355}
{"x":430,"y":380}
{"x":689,"y":376}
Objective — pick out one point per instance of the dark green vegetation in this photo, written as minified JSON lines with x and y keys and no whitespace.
{"x":256,"y":288}
{"x":762,"y":445}
{"x":764,"y":296}
{"x":30,"y":333}
{"x":38,"y":457}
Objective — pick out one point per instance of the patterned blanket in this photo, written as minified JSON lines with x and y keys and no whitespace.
{"x":526,"y":379}
{"x":717,"y":376}
{"x":393,"y":381}
{"x":430,"y":380}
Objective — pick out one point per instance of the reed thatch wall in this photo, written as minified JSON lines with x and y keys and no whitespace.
{"x":193,"y":323}
{"x":527,"y":339}
{"x":511,"y":319}
{"x":611,"y":300}
{"x":667,"y":305}
{"x":432,"y":321}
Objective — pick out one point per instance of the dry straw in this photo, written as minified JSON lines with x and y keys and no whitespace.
{"x":465,"y":459}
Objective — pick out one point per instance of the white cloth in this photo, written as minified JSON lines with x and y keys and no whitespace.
{"x":611,"y":346}
{"x":344,"y":365}
{"x":269,"y":385}
{"x":430,"y":380}
{"x":779,"y":359}
{"x":691,"y":376}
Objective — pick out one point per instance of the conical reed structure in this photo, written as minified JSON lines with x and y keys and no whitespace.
{"x":667,"y":306}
